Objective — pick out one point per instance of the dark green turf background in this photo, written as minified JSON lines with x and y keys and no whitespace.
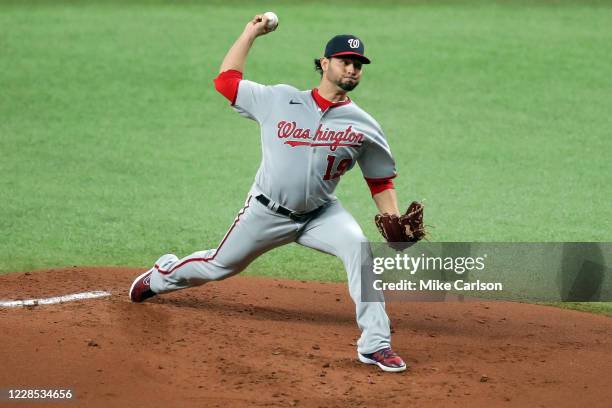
{"x":116,"y":148}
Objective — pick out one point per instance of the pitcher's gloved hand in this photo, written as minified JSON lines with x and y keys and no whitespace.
{"x":408,"y":227}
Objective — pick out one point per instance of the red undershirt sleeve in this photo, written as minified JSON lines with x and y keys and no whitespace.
{"x":226,"y":83}
{"x":379,"y":185}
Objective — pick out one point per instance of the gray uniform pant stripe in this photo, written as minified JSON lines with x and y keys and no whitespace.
{"x":257,"y":230}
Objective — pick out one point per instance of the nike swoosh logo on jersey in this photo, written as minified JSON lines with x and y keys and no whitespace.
{"x":292,"y":102}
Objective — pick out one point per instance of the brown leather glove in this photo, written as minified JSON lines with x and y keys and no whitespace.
{"x":408,"y":227}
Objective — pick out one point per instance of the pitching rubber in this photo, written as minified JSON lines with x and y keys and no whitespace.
{"x":366,"y":360}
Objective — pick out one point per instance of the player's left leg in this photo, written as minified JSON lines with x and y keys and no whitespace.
{"x":336,"y":232}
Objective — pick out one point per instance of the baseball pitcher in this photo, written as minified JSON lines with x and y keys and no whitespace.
{"x":310,"y":139}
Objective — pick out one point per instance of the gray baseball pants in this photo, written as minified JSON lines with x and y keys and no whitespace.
{"x":256,"y":230}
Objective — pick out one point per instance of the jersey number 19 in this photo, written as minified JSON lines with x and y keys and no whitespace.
{"x":343,"y":166}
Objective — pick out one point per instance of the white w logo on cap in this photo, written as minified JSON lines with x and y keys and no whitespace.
{"x":353,"y":43}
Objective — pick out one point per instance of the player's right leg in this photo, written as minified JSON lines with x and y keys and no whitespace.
{"x":141,"y":287}
{"x":255,"y":230}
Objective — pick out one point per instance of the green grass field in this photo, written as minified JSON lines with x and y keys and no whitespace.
{"x":116,"y":148}
{"x":604,"y":308}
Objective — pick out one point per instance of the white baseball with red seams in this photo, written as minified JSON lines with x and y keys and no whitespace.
{"x":305,"y":151}
{"x":272,"y":20}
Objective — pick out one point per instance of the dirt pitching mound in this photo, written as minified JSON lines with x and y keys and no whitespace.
{"x":269,"y":342}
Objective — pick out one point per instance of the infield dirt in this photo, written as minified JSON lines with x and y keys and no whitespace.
{"x":253,"y":341}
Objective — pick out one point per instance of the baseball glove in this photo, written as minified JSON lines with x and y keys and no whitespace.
{"x":408,"y":227}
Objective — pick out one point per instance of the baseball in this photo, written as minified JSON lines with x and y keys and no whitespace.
{"x":272,"y":20}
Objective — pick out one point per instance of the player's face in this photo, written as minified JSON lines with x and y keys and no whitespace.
{"x":343,"y":72}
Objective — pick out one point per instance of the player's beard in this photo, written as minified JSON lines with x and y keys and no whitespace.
{"x":338,"y":78}
{"x":347,"y":86}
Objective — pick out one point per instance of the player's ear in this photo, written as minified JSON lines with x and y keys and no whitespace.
{"x":324,"y":64}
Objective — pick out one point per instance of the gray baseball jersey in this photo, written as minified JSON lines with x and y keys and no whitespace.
{"x":305,"y":152}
